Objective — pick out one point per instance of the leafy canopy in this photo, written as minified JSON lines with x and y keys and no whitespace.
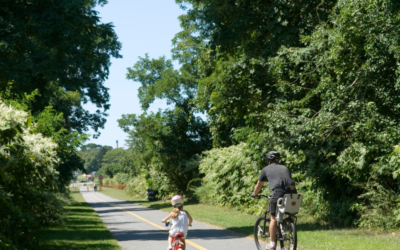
{"x":67,"y":62}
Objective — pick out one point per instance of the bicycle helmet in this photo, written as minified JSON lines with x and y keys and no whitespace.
{"x":177,"y":201}
{"x":273,"y":155}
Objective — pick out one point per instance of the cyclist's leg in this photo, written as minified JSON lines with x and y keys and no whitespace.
{"x":183,"y":244}
{"x":170,"y":240}
{"x":273,"y":226}
{"x":273,"y":229}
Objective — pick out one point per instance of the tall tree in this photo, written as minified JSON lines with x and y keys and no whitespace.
{"x":114,"y":162}
{"x":241,"y":36}
{"x":61,"y":49}
{"x":92,"y":154}
{"x":168,"y":140}
{"x":317,"y":80}
{"x":339,"y":117}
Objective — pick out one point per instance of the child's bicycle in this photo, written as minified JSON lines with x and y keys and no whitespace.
{"x":177,"y":243}
{"x":287,"y":207}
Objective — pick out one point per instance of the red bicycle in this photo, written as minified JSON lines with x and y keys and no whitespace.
{"x":177,"y":240}
{"x":177,"y":244}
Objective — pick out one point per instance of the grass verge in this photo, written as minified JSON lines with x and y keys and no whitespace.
{"x":311,"y":236}
{"x":83,"y":230}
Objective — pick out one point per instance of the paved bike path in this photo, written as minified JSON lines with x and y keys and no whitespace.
{"x":138,"y":227}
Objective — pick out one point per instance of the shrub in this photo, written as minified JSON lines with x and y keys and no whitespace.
{"x":136,"y":187}
{"x":230,"y":177}
{"x":27,"y":178}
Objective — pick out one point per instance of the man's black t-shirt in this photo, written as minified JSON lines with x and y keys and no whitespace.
{"x":278,"y":176}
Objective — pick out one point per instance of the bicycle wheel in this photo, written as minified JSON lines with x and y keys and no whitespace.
{"x":261,"y":233}
{"x":289,"y":234}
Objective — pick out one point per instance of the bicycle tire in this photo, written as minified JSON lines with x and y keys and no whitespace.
{"x":177,"y":248}
{"x":290,"y":240}
{"x":259,"y":233}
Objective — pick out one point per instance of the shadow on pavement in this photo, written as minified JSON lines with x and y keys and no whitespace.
{"x":161,"y":235}
{"x":127,"y":206}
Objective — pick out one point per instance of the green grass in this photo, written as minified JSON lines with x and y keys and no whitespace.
{"x":83,"y":230}
{"x":311,"y":236}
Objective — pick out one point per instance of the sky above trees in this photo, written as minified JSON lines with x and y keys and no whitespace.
{"x":142,"y":27}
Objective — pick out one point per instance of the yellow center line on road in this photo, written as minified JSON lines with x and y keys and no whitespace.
{"x":151,"y":223}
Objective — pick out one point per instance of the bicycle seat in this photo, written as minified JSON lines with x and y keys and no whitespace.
{"x":179,"y":235}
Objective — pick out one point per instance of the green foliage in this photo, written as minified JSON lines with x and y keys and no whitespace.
{"x":113,"y":156}
{"x":114,"y":161}
{"x":27,"y":178}
{"x":241,"y":36}
{"x":83,"y":229}
{"x":316,"y":80}
{"x":340,"y":107}
{"x":51,"y":124}
{"x":230,"y":176}
{"x":48,"y":71}
{"x":167,"y":141}
{"x":136,"y":185}
{"x":256,"y":27}
{"x":61,"y":49}
{"x":82,"y":178}
{"x":92,"y":154}
{"x":120,"y":178}
{"x":110,"y":170}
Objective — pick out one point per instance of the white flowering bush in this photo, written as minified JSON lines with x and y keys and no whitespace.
{"x":11,"y":117}
{"x":24,"y":153}
{"x":27,"y":177}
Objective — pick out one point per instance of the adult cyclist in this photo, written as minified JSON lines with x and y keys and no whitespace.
{"x":280,"y":181}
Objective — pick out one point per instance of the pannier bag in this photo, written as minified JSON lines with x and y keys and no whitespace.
{"x":290,"y":203}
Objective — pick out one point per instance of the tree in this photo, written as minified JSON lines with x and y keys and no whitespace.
{"x":90,"y":146}
{"x":114,"y":162}
{"x":340,"y":114}
{"x":113,"y":156}
{"x":167,"y":140}
{"x":54,"y":57}
{"x":66,"y":62}
{"x":240,"y":37}
{"x":169,"y":143}
{"x":317,"y":80}
{"x":51,"y":124}
{"x":92,"y":154}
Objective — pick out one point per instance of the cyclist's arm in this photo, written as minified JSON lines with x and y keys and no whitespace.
{"x":258,"y":187}
{"x":167,"y":218}
{"x":189,"y":217}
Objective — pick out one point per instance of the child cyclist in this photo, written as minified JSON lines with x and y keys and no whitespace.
{"x":181,"y":220}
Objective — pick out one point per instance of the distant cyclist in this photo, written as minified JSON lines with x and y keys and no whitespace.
{"x":280,"y":181}
{"x":181,"y":219}
{"x":95,"y":187}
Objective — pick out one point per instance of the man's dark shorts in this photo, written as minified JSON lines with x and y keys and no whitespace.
{"x":276,"y":194}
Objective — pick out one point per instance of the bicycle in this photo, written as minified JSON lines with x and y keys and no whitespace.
{"x":177,"y":243}
{"x":286,"y":219}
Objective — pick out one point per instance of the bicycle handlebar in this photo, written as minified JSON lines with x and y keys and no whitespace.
{"x":260,"y":195}
{"x":169,"y":222}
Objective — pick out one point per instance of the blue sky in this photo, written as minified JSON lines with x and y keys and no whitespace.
{"x":142,"y":27}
